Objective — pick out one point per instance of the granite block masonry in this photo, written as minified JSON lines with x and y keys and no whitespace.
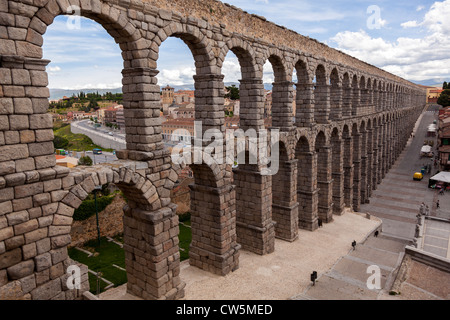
{"x":352,"y":121}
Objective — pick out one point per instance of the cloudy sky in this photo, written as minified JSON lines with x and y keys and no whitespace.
{"x":408,"y":38}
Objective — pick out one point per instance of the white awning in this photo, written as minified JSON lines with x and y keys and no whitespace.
{"x":442,"y":176}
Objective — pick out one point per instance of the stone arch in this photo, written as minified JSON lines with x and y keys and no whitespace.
{"x":197,"y":42}
{"x":356,"y":95}
{"x":147,"y":219}
{"x":113,"y":19}
{"x":347,"y":96}
{"x":246,"y":56}
{"x":213,"y":216}
{"x":321,"y":95}
{"x":304,"y":116}
{"x":336,"y":95}
{"x":282,"y":92}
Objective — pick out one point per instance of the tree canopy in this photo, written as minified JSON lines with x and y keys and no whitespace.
{"x":444,"y":98}
{"x":233,"y":92}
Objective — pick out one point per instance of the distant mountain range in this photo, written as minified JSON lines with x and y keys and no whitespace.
{"x":56,"y":94}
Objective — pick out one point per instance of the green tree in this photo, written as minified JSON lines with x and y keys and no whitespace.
{"x":85,"y":161}
{"x":60,"y":142}
{"x":445,"y":85}
{"x":444,"y":98}
{"x":233,"y":92}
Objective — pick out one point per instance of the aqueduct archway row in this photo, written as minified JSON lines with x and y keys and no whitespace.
{"x":351,"y":123}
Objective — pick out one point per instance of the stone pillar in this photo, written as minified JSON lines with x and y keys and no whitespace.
{"x":369,"y":164}
{"x":214,"y":245}
{"x":356,"y":171}
{"x":364,"y":167}
{"x":255,"y":227}
{"x":284,"y":201}
{"x":348,"y":171}
{"x":375,"y":163}
{"x":338,"y":178}
{"x":282,"y":111}
{"x":347,"y":102}
{"x":305,"y":105}
{"x":307,"y":190}
{"x":141,"y":96}
{"x":209,"y":102}
{"x":384,"y":168}
{"x":322,"y":103}
{"x":325,"y":184}
{"x":336,"y":101}
{"x":356,"y":99}
{"x":364,"y":100}
{"x":152,"y":234}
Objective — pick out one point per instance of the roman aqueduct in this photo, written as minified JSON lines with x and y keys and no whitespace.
{"x":352,"y":122}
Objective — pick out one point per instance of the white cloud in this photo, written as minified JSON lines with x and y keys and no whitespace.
{"x":415,"y":59}
{"x":420,"y":8}
{"x":410,"y":24}
{"x":53,"y":69}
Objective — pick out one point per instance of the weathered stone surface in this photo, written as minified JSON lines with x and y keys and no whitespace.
{"x":21,"y":270}
{"x":17,"y":217}
{"x":13,"y":152}
{"x":28,"y":283}
{"x":26,"y":227}
{"x":6,"y":233}
{"x":28,"y":190}
{"x":43,"y":245}
{"x":43,"y":261}
{"x":29,"y":251}
{"x":10,"y":258}
{"x":47,"y":291}
{"x":36,"y":235}
{"x":11,"y":291}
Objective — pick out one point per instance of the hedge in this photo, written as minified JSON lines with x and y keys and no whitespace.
{"x":87,"y":207}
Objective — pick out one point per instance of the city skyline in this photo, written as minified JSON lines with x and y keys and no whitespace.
{"x":408,"y":39}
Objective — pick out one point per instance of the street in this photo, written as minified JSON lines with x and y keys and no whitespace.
{"x":398,"y":198}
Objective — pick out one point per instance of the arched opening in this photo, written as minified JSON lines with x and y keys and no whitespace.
{"x":324,"y":178}
{"x":307,"y":185}
{"x":347,"y":96}
{"x":356,"y":93}
{"x":304,"y":114}
{"x":254,"y":224}
{"x":364,"y":100}
{"x":145,"y":202}
{"x":282,"y":94}
{"x":336,"y":93}
{"x":321,"y":96}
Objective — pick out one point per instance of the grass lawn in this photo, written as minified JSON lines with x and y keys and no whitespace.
{"x":77,"y":142}
{"x":109,"y":253}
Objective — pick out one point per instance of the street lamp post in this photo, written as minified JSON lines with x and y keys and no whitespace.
{"x":97,"y":188}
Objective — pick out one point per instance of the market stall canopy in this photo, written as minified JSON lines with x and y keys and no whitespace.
{"x":442,"y":176}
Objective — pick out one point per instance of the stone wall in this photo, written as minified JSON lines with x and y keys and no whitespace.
{"x":38,"y":198}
